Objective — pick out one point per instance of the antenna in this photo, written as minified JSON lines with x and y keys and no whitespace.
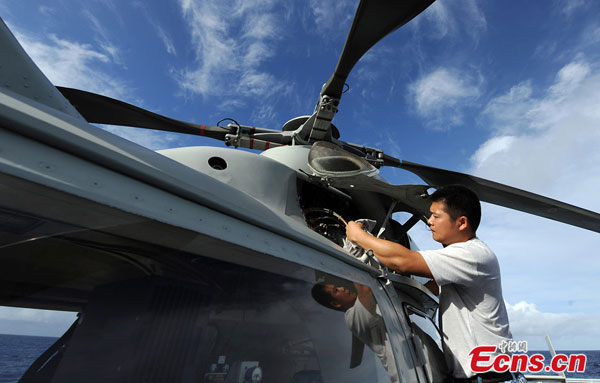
{"x":553,"y":353}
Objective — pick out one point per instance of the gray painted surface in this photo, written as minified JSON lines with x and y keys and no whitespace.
{"x":20,"y":74}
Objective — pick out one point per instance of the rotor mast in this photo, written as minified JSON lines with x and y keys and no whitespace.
{"x":374,"y":19}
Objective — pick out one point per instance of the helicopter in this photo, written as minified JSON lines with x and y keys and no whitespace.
{"x":188,"y":264}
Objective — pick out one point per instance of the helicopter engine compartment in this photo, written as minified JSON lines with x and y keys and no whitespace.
{"x":325,"y":212}
{"x":326,"y":222}
{"x":278,"y":179}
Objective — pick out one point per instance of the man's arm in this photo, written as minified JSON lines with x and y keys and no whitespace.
{"x":433,"y":287}
{"x":365,"y":296}
{"x":391,"y":254}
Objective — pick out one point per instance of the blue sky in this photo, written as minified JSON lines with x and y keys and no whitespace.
{"x":506,"y":90}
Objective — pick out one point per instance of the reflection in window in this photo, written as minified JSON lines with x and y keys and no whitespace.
{"x":363,"y":319}
{"x":221,"y":323}
{"x":427,"y":343}
{"x":25,"y":334}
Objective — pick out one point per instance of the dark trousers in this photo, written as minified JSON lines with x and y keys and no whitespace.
{"x":488,"y":377}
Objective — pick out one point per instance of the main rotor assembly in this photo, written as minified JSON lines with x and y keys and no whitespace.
{"x":374,"y":19}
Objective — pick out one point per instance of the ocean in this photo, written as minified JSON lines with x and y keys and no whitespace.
{"x":17,"y":352}
{"x":592,"y":366}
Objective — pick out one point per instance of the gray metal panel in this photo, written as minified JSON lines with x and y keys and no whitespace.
{"x":97,"y":146}
{"x":398,"y":329}
{"x":266,"y":180}
{"x":20,"y":74}
{"x":140,"y":181}
{"x":294,"y":157}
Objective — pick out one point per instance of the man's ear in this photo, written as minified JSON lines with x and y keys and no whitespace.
{"x":463,"y":223}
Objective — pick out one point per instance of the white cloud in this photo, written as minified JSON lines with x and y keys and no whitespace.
{"x":257,"y":83}
{"x":21,"y":321}
{"x":72,"y":64}
{"x":151,"y":139}
{"x":164,"y":37}
{"x":572,"y":6}
{"x":32,"y":315}
{"x":332,"y":16}
{"x":554,"y":137}
{"x":546,"y":140}
{"x":260,"y":26}
{"x":528,"y":323}
{"x":440,"y":95}
{"x":160,"y":31}
{"x":440,"y":17}
{"x":264,"y":112}
{"x":569,"y":78}
{"x":442,"y":88}
{"x":492,"y":147}
{"x":477,"y":22}
{"x":75,"y":65}
{"x":231,"y":41}
{"x":450,"y":19}
{"x":389,"y":143}
{"x":592,"y":35}
{"x":543,"y":261}
{"x":47,"y":11}
{"x":255,"y":54}
{"x":375,"y":68}
{"x":507,"y":111}
{"x":103,"y":38}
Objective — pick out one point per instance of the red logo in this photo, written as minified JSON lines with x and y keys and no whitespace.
{"x":485,"y":359}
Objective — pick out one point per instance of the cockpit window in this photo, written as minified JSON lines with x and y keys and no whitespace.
{"x":428,"y":345}
{"x":215,"y":322}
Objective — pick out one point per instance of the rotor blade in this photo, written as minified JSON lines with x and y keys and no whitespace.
{"x":503,"y":195}
{"x":105,"y":110}
{"x":374,"y":19}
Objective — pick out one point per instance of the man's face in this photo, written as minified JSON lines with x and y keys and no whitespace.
{"x":341,"y":296}
{"x":444,"y":229}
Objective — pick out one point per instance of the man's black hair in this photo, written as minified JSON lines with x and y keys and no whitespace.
{"x":460,"y":201}
{"x":323,"y":297}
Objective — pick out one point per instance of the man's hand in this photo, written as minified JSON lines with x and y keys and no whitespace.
{"x":354,"y":231}
{"x":391,"y":254}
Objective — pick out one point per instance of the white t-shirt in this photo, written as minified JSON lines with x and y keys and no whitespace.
{"x":472,"y":311}
{"x":370,"y":329}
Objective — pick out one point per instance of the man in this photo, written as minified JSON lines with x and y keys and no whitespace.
{"x":465,"y":274}
{"x":362,"y":318}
